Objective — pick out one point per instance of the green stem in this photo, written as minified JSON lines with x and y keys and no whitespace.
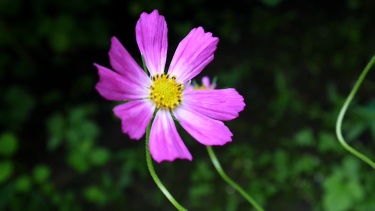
{"x":153,"y":174}
{"x":343,"y":111}
{"x":231,"y":182}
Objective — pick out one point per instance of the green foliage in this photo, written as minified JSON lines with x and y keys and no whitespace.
{"x":8,"y":144}
{"x":78,"y":133}
{"x":6,"y":169}
{"x":202,"y":183}
{"x":23,"y":184}
{"x":271,"y":3}
{"x":18,"y":103}
{"x":363,"y":121}
{"x":343,"y":186}
{"x":304,"y":137}
{"x":99,"y":156}
{"x":41,"y":173}
{"x":95,"y":195}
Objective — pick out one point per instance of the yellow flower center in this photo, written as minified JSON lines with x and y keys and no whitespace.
{"x":201,"y":87}
{"x":165,"y":91}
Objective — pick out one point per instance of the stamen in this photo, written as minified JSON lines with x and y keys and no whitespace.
{"x":165,"y":91}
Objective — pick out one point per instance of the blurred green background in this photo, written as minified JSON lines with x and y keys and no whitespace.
{"x":61,"y":147}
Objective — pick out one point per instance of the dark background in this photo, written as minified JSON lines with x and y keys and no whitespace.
{"x":61,"y":148}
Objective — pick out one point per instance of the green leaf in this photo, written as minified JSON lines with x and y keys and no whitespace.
{"x":61,"y":32}
{"x":23,"y":183}
{"x":201,"y":190}
{"x":56,"y":129}
{"x":6,"y":195}
{"x":328,"y":142}
{"x":41,"y":173}
{"x":8,"y":144}
{"x":355,"y":130}
{"x":94,"y":194}
{"x":351,"y":167}
{"x":99,"y":156}
{"x":18,"y":104}
{"x":281,"y":161}
{"x":356,"y":190}
{"x":78,"y":161}
{"x":335,"y":199}
{"x":305,"y":164}
{"x":6,"y":169}
{"x":342,"y":189}
{"x":304,"y":137}
{"x":271,"y":3}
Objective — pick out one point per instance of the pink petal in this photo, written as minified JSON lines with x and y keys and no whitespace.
{"x":188,"y":87}
{"x":113,"y":86}
{"x":124,"y":64}
{"x":206,"y":81}
{"x":204,"y":129}
{"x":165,"y":142}
{"x":193,"y":54}
{"x":135,"y":117}
{"x":220,"y":104}
{"x":151,"y":33}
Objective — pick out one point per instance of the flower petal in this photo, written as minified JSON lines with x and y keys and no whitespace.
{"x":113,"y":86}
{"x":193,"y":53}
{"x":151,"y":33}
{"x":135,"y":117}
{"x":124,"y":64}
{"x":165,"y":142}
{"x":204,"y":129}
{"x":221,"y":104}
{"x":206,"y":82}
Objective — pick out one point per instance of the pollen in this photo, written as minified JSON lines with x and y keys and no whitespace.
{"x":165,"y":91}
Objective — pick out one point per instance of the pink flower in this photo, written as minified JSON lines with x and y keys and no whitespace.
{"x":206,"y":85}
{"x":162,"y":96}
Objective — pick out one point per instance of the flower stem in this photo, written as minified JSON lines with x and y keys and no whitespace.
{"x":231,"y":182}
{"x":154,"y":176}
{"x":343,"y":111}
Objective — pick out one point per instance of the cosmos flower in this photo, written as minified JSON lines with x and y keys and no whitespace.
{"x":161,"y":97}
{"x":206,"y":85}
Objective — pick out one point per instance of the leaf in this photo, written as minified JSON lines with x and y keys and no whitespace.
{"x":41,"y":173}
{"x":23,"y":183}
{"x":355,"y":130}
{"x":18,"y":103}
{"x":305,"y":164}
{"x":99,"y":156}
{"x":6,"y":195}
{"x":6,"y":169}
{"x":271,"y":3}
{"x":304,"y":137}
{"x":281,"y":161}
{"x":342,"y":189}
{"x":78,"y":161}
{"x":8,"y":144}
{"x":335,"y":198}
{"x":328,"y":142}
{"x":94,"y":194}
{"x":56,"y":129}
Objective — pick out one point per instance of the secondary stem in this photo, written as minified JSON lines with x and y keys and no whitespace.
{"x":343,"y":111}
{"x":153,"y":173}
{"x":231,"y":182}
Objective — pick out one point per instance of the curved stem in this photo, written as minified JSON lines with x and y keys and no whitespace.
{"x":343,"y":111}
{"x":231,"y":182}
{"x":155,"y":177}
